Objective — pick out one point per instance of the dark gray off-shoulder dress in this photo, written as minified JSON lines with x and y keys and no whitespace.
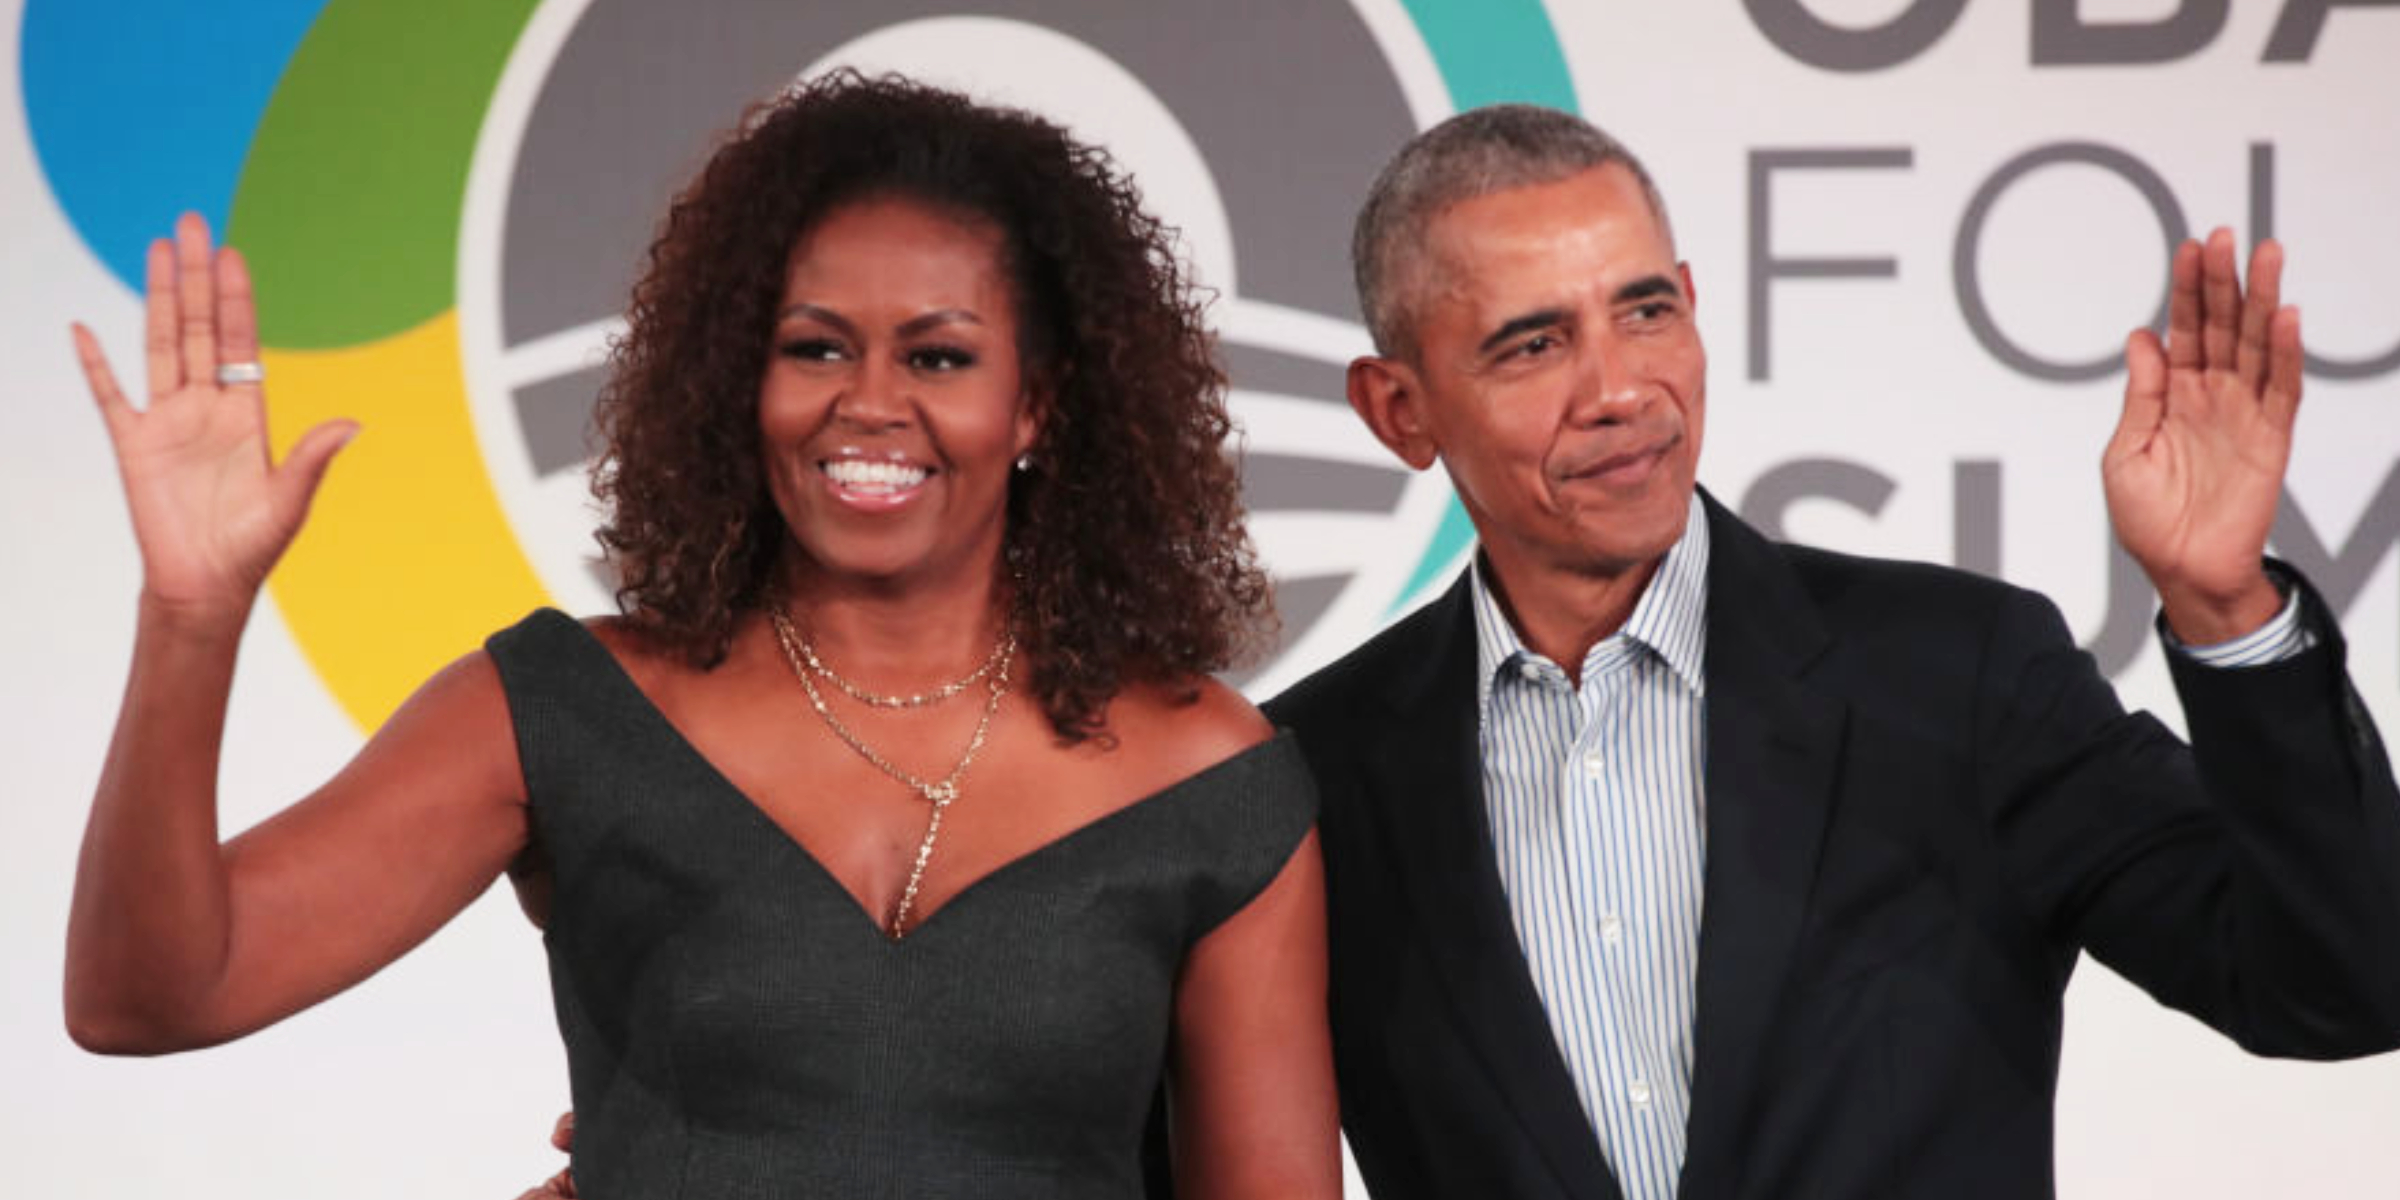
{"x":737,"y":1026}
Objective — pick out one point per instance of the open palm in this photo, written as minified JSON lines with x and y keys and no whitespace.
{"x":2196,"y":465}
{"x":211,"y":510}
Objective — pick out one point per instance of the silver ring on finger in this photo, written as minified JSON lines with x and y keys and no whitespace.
{"x":232,"y":373}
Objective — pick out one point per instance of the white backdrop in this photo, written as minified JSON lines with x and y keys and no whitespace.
{"x":1873,"y":402}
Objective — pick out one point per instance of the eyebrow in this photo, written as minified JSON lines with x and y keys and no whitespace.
{"x":814,"y":313}
{"x":1542,"y":319}
{"x":947,"y":316}
{"x":1645,"y":288}
{"x":908,"y":328}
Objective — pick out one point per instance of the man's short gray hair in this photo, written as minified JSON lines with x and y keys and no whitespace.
{"x":1476,"y":153}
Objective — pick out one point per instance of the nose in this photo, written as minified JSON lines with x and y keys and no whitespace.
{"x":876,"y":396}
{"x":1610,"y":384}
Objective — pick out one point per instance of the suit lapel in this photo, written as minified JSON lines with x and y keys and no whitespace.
{"x":1773,"y":745}
{"x":1429,"y":784}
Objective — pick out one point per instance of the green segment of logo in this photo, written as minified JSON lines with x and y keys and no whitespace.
{"x":350,"y":201}
{"x":1489,"y":52}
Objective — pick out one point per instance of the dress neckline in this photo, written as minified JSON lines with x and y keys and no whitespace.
{"x":656,"y":718}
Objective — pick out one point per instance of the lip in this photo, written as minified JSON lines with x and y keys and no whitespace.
{"x":874,"y":482}
{"x":1627,"y":469}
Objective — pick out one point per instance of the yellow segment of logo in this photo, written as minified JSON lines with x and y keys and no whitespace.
{"x":407,"y":560}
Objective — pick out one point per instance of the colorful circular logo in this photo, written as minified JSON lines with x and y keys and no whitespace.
{"x":443,"y":203}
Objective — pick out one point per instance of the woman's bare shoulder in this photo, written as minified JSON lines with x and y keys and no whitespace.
{"x":622,"y":637}
{"x":1185,"y":727}
{"x":651,"y":663}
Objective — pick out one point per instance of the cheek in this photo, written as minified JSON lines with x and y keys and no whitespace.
{"x":782,"y":410}
{"x":1505,"y":467}
{"x":793,"y":410}
{"x":1695,"y":417}
{"x":1687,"y":368}
{"x":1521,"y":431}
{"x":985,"y":423}
{"x":1486,"y":458}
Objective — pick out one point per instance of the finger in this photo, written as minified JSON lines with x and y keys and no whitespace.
{"x":165,"y":368}
{"x":2220,"y":302}
{"x":113,"y":405}
{"x":304,"y":468}
{"x":2285,"y":363}
{"x":2145,"y":392}
{"x":2183,"y":308}
{"x":195,"y":298}
{"x":2259,"y":307}
{"x":562,"y":1135}
{"x":237,"y":313}
{"x":558,"y":1187}
{"x":237,"y":327}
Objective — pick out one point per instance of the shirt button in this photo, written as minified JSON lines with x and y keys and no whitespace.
{"x":1594,"y":765}
{"x":1532,"y":671}
{"x":1640,"y":1093}
{"x":1612,"y":929}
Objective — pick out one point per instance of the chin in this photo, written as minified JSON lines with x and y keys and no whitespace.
{"x":879,"y":563}
{"x":1634,"y":539}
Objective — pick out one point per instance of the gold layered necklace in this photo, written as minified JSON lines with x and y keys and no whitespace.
{"x":817,"y":667}
{"x":939,"y":794}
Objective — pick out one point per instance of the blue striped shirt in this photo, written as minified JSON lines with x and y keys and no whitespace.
{"x":1597,"y":801}
{"x":2272,"y":642}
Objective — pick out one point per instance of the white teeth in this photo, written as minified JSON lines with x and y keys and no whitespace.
{"x":883,"y":476}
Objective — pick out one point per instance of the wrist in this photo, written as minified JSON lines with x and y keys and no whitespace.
{"x":2200,"y":617}
{"x":214,"y":618}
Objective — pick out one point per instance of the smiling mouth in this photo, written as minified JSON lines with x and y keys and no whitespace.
{"x":870,"y":479}
{"x":1625,"y":468}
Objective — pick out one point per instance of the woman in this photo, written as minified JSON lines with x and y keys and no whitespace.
{"x":893,"y":840}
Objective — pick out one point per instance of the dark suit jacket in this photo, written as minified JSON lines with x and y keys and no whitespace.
{"x":1922,"y":802}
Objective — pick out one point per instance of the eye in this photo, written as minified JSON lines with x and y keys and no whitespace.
{"x":1538,"y":345}
{"x":1653,"y":312}
{"x":937,"y":360}
{"x":813,"y":349}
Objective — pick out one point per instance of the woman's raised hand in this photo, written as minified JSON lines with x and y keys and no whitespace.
{"x":211,"y":510}
{"x":175,"y":940}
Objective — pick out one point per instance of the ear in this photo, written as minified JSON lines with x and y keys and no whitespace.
{"x":1386,"y":394}
{"x":1034,"y":405}
{"x":1691,"y":292}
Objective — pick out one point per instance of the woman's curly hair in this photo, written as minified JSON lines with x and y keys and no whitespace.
{"x":1124,"y":538}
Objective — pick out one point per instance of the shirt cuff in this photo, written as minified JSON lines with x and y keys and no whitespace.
{"x":2284,"y":637}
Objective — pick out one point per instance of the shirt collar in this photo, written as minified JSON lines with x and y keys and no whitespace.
{"x":1670,"y":619}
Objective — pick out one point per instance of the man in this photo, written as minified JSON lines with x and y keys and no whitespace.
{"x":1665,"y":861}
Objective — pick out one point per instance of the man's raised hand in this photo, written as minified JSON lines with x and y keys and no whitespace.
{"x":2196,"y":465}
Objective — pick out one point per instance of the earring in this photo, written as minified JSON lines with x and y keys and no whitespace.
{"x":1025,"y":461}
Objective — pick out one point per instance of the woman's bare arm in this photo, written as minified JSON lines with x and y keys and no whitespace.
{"x":175,"y":941}
{"x":1252,"y":1096}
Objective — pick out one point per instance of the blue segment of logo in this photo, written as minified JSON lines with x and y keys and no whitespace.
{"x":141,"y":109}
{"x":1495,"y":52}
{"x":1489,"y":52}
{"x":1440,"y":560}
